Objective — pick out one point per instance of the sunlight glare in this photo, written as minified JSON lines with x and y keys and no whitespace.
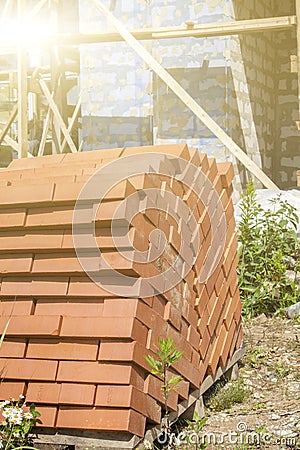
{"x":26,"y":34}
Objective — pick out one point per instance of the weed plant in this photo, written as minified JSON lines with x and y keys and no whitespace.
{"x":268,"y":248}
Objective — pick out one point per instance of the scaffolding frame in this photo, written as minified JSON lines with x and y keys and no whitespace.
{"x":63,"y":122}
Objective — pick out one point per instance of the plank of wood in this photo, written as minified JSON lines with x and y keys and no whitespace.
{"x":57,"y":115}
{"x":198,"y":30}
{"x":37,"y":8}
{"x":230,"y":28}
{"x":12,"y":143}
{"x":187,"y":99}
{"x":12,"y":117}
{"x":72,"y":121}
{"x":22,"y":91}
{"x":44,"y":133}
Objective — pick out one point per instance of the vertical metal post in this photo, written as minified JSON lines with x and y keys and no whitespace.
{"x":22,"y":91}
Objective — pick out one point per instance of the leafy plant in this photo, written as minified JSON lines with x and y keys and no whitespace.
{"x":167,"y":355}
{"x":228,"y":395}
{"x":196,"y":425}
{"x":281,"y":370}
{"x":18,"y":422}
{"x":17,"y":425}
{"x":255,"y":357}
{"x":268,"y":249}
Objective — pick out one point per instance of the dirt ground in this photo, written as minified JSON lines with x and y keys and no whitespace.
{"x":270,"y":416}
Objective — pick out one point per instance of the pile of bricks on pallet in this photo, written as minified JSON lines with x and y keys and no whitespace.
{"x":78,"y":351}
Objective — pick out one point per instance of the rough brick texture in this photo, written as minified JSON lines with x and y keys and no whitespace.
{"x":77,"y":350}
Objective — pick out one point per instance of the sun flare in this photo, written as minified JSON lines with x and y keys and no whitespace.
{"x":29,"y":33}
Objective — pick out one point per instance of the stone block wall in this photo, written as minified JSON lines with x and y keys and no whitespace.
{"x":244,"y":83}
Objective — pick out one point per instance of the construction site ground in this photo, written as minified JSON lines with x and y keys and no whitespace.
{"x":270,"y":370}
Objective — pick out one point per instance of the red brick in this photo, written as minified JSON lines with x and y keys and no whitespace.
{"x":204,"y":344}
{"x":41,"y":161}
{"x":12,"y":217}
{"x":128,"y":397}
{"x":180,"y":150}
{"x":173,"y":315}
{"x":48,"y":416}
{"x":49,"y":216}
{"x":104,"y":327}
{"x":32,"y":325}
{"x":237,"y":339}
{"x":28,"y":369}
{"x":186,"y":369}
{"x":240,"y":336}
{"x":213,"y":169}
{"x":39,"y":240}
{"x":149,"y":316}
{"x":215,"y":315}
{"x":226,"y":172}
{"x":193,"y":337}
{"x":219,"y":282}
{"x":43,"y":393}
{"x":13,"y":348}
{"x":48,"y":286}
{"x":16,"y":307}
{"x":202,"y":322}
{"x":227,"y":342}
{"x":84,"y":287}
{"x":182,"y":388}
{"x":218,"y":185}
{"x":11,"y":389}
{"x":116,"y":351}
{"x":56,"y":263}
{"x":73,"y":307}
{"x":194,"y":156}
{"x":41,"y":177}
{"x":179,"y":341}
{"x":92,"y":156}
{"x":77,"y":394}
{"x":202,"y":300}
{"x":18,"y":264}
{"x":153,"y":388}
{"x":101,"y":419}
{"x":229,"y":255}
{"x":125,"y":352}
{"x":94,"y":372}
{"x":229,"y":211}
{"x":215,"y":355}
{"x":204,"y":162}
{"x":72,"y":349}
{"x":184,"y":329}
{"x":104,"y":213}
{"x":26,"y":194}
{"x":195,"y":358}
{"x":238,"y":311}
{"x":231,"y":305}
{"x":225,"y":198}
{"x":119,"y":307}
{"x":68,"y":192}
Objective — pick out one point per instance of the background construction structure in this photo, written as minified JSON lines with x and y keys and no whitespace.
{"x":75,"y":85}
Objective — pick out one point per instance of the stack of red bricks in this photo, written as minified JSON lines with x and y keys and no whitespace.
{"x":77,"y":350}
